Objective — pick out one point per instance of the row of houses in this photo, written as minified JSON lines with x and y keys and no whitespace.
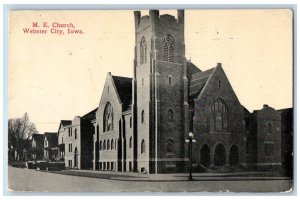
{"x":72,"y":143}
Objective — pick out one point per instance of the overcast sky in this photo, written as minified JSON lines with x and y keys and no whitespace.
{"x":54,"y":77}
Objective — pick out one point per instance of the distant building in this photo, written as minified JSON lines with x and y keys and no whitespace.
{"x":62,"y":134}
{"x":37,"y":145}
{"x":50,"y":146}
{"x":77,"y":138}
{"x":142,"y":122}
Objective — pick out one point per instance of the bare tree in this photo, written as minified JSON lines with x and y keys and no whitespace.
{"x":20,"y":131}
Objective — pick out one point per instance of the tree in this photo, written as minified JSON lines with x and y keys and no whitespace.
{"x":20,"y":131}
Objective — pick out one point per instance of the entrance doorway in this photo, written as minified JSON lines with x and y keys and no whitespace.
{"x":76,"y":158}
{"x":220,"y":155}
{"x":234,"y":156}
{"x":205,"y":155}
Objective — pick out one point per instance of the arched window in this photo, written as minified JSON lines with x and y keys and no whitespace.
{"x":130,"y":122}
{"x":75,"y":133}
{"x":143,"y":147}
{"x":269,"y":128}
{"x":108,"y":118}
{"x":100,"y":145}
{"x":108,"y":145}
{"x":220,"y":118}
{"x":143,"y":51}
{"x":104,"y":145}
{"x":130,"y":142}
{"x":112,"y":144}
{"x":170,"y":146}
{"x":169,"y":48}
{"x":170,"y":115}
{"x":116,"y":143}
{"x":142,"y":117}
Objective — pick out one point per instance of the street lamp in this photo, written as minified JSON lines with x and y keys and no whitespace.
{"x":190,"y":140}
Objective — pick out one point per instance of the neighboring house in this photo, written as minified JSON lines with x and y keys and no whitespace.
{"x":266,"y":139}
{"x":78,"y":139}
{"x":51,"y":149}
{"x":62,"y":135}
{"x":287,"y":137}
{"x":37,"y":145}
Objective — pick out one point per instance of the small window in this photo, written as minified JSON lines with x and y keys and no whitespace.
{"x":130,"y":122}
{"x":219,"y":83}
{"x":104,"y":145}
{"x":75,"y":133}
{"x":142,"y":81}
{"x":143,"y":147}
{"x":269,"y":149}
{"x":170,"y":80}
{"x":142,"y":116}
{"x":130,"y":142}
{"x":112,"y":144}
{"x":170,"y":115}
{"x":108,"y":145}
{"x":170,"y":146}
{"x":107,"y":89}
{"x":269,"y":128}
{"x":100,"y":145}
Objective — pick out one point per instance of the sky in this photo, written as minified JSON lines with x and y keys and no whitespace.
{"x":56,"y":77}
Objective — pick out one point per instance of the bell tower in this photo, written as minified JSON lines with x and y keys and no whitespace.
{"x":160,"y":87}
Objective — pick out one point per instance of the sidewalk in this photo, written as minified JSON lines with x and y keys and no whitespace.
{"x":134,"y":176}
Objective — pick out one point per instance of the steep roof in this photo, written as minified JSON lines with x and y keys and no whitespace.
{"x":124,"y":89}
{"x":198,"y":81}
{"x":90,"y":115}
{"x":191,"y":69}
{"x":51,"y":138}
{"x":38,"y":138}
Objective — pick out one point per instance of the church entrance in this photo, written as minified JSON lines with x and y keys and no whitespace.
{"x":220,"y":155}
{"x":205,"y":155}
{"x":234,"y":156}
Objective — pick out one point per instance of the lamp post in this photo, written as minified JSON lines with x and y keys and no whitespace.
{"x":190,"y":140}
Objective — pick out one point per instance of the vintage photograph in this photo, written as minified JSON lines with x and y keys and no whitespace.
{"x":150,"y":100}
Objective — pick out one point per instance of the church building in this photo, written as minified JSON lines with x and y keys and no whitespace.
{"x":142,"y":122}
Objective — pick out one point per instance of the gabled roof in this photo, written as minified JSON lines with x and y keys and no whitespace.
{"x":66,"y":122}
{"x":198,"y":81}
{"x":51,"y":138}
{"x":38,"y":138}
{"x":124,"y":89}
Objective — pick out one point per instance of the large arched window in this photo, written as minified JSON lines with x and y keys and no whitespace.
{"x":170,"y":115}
{"x":170,"y":146}
{"x":108,"y":118}
{"x":143,"y":51}
{"x":169,"y":48}
{"x":220,"y":118}
{"x":143,"y":147}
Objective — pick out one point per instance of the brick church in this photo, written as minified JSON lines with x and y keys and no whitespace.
{"x":142,"y":123}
